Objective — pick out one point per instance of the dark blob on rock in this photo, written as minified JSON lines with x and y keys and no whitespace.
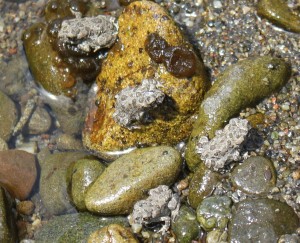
{"x":178,"y":60}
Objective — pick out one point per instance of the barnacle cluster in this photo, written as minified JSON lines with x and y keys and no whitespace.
{"x":133,"y":104}
{"x":162,"y":205}
{"x":225,"y":146}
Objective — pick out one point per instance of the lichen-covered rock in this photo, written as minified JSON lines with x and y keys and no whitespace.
{"x":278,"y":12}
{"x":261,"y":220}
{"x":8,"y":232}
{"x":7,"y":119}
{"x":239,"y":86}
{"x":225,"y":146}
{"x":112,"y":233}
{"x":129,"y":63}
{"x":60,"y":65}
{"x":162,"y":205}
{"x":256,"y":175}
{"x":127,"y":179}
{"x":214,"y":212}
{"x":56,"y":174}
{"x":202,"y":184}
{"x":84,"y":173}
{"x":74,"y":227}
{"x":186,"y":228}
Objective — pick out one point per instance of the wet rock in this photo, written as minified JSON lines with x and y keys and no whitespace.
{"x":214,"y":212}
{"x":68,"y":142}
{"x":225,"y":146}
{"x":186,"y":228}
{"x":18,"y":172}
{"x":239,"y":86}
{"x":59,"y":64}
{"x":256,"y":175}
{"x":40,"y":121}
{"x":216,"y":236}
{"x":8,"y":232}
{"x":279,"y":13}
{"x":161,"y":122}
{"x":130,"y":177}
{"x":272,"y":219}
{"x":202,"y":185}
{"x":112,"y":233}
{"x":56,"y":172}
{"x":7,"y":119}
{"x":84,"y":173}
{"x":74,"y":227}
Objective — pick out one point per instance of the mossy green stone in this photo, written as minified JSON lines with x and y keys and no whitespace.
{"x":278,"y":12}
{"x":84,"y":173}
{"x":56,"y":174}
{"x":8,"y":232}
{"x":239,"y":86}
{"x":129,"y":178}
{"x":261,"y":220}
{"x":74,"y":228}
{"x":186,"y":227}
{"x":202,"y":185}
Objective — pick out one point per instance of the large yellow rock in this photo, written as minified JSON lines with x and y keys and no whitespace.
{"x":127,"y":65}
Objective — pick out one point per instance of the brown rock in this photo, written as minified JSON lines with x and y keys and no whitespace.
{"x":17,"y":172}
{"x":128,"y":64}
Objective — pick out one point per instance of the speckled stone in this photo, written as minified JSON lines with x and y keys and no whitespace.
{"x":127,"y":179}
{"x":256,"y":175}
